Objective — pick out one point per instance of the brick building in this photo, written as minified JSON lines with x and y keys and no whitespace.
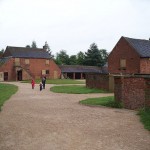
{"x":130,"y":56}
{"x":131,"y":59}
{"x":19,"y":63}
{"x":129,"y":73}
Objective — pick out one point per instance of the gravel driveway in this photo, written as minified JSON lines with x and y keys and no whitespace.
{"x":42,"y":120}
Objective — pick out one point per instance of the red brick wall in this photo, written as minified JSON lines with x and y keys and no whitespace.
{"x":145,"y":66}
{"x":118,"y":89}
{"x":37,"y":65}
{"x":99,"y":81}
{"x":123,"y":50}
{"x":53,"y":68}
{"x":147,"y":92}
{"x":8,"y":67}
{"x":131,"y":91}
{"x":35,"y":68}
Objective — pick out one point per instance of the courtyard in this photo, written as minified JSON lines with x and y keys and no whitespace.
{"x":43,"y":120}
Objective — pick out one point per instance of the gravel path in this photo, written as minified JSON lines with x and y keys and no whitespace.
{"x":42,"y":120}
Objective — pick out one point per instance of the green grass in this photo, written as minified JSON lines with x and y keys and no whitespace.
{"x":104,"y":101}
{"x":145,"y":117}
{"x":6,"y":91}
{"x":58,"y":81}
{"x":75,"y":89}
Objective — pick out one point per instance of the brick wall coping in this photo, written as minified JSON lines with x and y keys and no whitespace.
{"x":133,"y":76}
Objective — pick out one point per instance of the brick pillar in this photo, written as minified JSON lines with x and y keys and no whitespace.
{"x":118,"y":90}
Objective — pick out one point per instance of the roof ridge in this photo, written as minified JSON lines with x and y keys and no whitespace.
{"x":24,"y":47}
{"x":26,"y":52}
{"x":135,"y":39}
{"x":141,"y":46}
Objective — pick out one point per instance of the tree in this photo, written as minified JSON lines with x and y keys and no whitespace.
{"x":47,"y":48}
{"x":73,"y":60}
{"x":1,"y":52}
{"x":34,"y":44}
{"x":104,"y":56}
{"x":80,"y":58}
{"x":93,"y":56}
{"x":62,"y":58}
{"x":28,"y":46}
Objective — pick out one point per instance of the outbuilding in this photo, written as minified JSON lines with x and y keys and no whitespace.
{"x":21,"y":63}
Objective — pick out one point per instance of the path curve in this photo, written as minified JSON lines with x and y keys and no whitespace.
{"x":42,"y":120}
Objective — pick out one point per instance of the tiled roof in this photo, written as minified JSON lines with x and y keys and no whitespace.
{"x":83,"y":69}
{"x":4,"y":60}
{"x":22,"y":52}
{"x":141,"y":46}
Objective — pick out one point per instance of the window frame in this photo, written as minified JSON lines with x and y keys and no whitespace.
{"x":27,"y":61}
{"x":123,"y":64}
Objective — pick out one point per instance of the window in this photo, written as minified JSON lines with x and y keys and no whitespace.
{"x":47,"y":71}
{"x":47,"y":62}
{"x":122,"y":63}
{"x":27,"y":61}
{"x":17,"y":61}
{"x":1,"y":76}
{"x":44,"y":72}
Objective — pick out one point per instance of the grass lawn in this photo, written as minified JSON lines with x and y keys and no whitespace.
{"x":75,"y":89}
{"x":145,"y":117}
{"x":6,"y":91}
{"x":104,"y":101}
{"x":58,"y":81}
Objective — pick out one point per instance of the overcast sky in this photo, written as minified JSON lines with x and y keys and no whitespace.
{"x":72,"y":25}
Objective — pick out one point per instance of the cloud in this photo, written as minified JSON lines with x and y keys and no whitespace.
{"x":72,"y":24}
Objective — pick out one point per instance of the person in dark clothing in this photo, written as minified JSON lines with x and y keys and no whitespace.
{"x":40,"y":86}
{"x":43,"y":82}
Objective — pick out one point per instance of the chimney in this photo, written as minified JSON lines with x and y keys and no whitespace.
{"x":45,"y":46}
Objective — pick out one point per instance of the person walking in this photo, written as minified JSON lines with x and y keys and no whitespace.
{"x":33,"y":83}
{"x":43,"y":82}
{"x":40,"y":86}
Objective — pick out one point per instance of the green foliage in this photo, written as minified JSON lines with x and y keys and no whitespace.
{"x":104,"y":101}
{"x":47,"y":47}
{"x":104,"y":56}
{"x":80,"y":58}
{"x":145,"y":117}
{"x":73,"y":60}
{"x":1,"y":52}
{"x":6,"y":91}
{"x":75,"y":89}
{"x":34,"y":44}
{"x":28,"y":46}
{"x":95,"y":57}
{"x":62,"y":58}
{"x":92,"y":56}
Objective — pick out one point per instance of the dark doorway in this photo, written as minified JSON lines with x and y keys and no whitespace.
{"x":70,"y":75}
{"x":5,"y":76}
{"x":19,"y":75}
